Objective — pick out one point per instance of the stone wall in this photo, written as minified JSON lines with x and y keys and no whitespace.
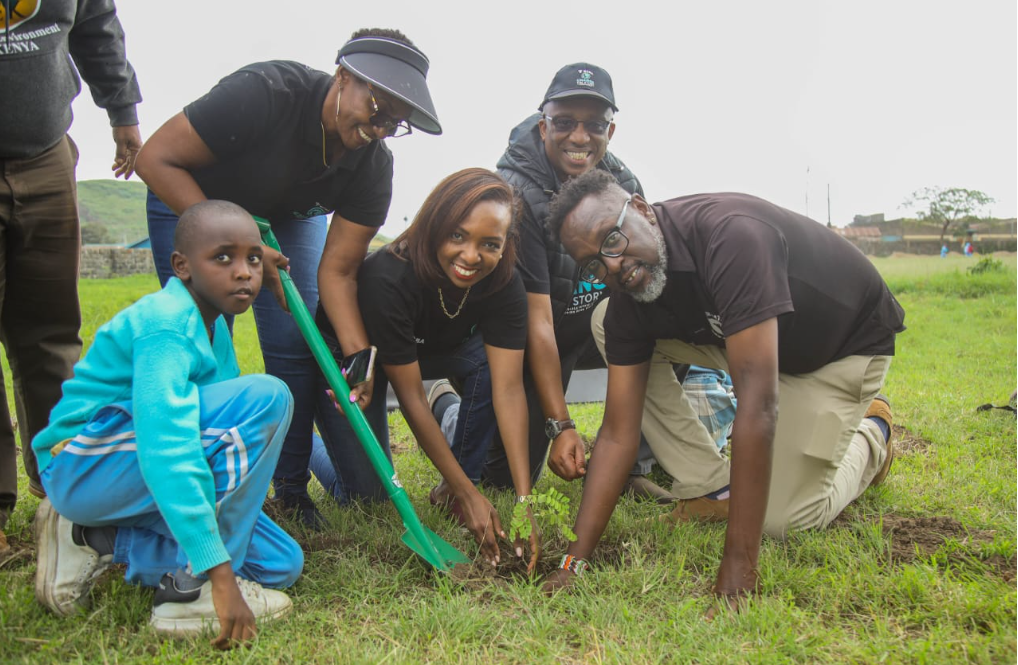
{"x":105,"y":261}
{"x":874,"y":247}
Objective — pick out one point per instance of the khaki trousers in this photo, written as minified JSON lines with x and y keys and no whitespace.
{"x":40,"y":317}
{"x":825,"y":453}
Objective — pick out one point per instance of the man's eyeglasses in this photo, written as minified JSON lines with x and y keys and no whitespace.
{"x":393,"y":128}
{"x":567,"y":125}
{"x":613,"y":246}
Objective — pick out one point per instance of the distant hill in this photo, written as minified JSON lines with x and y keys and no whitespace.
{"x":116,"y":212}
{"x":116,"y":206}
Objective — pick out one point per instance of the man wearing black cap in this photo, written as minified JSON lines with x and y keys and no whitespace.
{"x":568,"y":137}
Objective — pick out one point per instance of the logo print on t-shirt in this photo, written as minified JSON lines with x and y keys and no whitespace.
{"x":585,"y":296}
{"x":715,"y":324}
{"x":314,"y":211}
{"x":21,"y":11}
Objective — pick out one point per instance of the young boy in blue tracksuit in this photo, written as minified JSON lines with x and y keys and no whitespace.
{"x":159,"y":455}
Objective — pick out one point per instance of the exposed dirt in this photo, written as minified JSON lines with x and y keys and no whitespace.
{"x":21,"y":553}
{"x":907,"y":443}
{"x":399,"y":447}
{"x":915,"y":538}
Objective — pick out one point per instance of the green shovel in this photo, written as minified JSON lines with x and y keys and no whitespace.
{"x":417,"y":537}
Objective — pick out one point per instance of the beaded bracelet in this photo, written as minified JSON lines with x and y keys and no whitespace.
{"x":573,"y":564}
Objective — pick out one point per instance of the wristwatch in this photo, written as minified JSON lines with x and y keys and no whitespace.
{"x":553,"y":428}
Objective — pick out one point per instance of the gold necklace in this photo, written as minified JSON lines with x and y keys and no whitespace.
{"x":441,"y":301}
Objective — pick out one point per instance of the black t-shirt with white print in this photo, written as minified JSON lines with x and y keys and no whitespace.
{"x":735,"y":261}
{"x":404,"y":318}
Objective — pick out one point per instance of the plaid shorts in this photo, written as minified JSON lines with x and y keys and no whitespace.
{"x":713,"y":399}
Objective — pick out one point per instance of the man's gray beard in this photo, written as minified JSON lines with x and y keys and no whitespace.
{"x":658,"y":277}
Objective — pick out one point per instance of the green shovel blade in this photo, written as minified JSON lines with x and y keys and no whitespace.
{"x":418,"y":537}
{"x":449,"y":555}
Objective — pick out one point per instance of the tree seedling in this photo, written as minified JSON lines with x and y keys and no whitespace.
{"x":550,"y":509}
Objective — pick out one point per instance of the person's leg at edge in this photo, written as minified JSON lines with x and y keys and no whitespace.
{"x":41,"y":316}
{"x":445,"y":407}
{"x":475,"y":422}
{"x":8,"y":443}
{"x":322,"y":469}
{"x":825,"y":452}
{"x":162,"y":222}
{"x":288,"y":357}
{"x":496,"y":471}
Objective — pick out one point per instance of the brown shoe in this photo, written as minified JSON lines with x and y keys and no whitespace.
{"x":880,"y":407}
{"x":438,"y":389}
{"x":4,"y":547}
{"x":700,"y":509}
{"x":642,"y":487}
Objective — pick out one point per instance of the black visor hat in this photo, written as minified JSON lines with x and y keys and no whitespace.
{"x":397,"y":69}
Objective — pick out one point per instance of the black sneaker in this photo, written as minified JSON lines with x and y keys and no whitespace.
{"x":300,"y":509}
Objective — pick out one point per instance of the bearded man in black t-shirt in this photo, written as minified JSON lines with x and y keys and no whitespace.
{"x":797,"y":315}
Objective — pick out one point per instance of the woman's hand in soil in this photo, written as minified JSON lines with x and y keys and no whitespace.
{"x":558,"y":580}
{"x":483,"y":522}
{"x":519,"y":546}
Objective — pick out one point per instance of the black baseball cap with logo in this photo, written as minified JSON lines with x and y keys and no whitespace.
{"x":581,"y":79}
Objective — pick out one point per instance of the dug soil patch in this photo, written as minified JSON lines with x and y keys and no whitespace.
{"x":907,"y":443}
{"x":915,"y":538}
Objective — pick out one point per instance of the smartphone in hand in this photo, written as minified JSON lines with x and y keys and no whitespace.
{"x":358,"y":368}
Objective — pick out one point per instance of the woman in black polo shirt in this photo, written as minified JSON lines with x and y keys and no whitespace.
{"x":442,"y":301}
{"x":291,"y":144}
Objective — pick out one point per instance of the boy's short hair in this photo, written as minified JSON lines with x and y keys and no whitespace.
{"x":189,"y":225}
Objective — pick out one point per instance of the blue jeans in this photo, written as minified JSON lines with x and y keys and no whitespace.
{"x":242,"y":424}
{"x":340,"y":463}
{"x":284,"y":350}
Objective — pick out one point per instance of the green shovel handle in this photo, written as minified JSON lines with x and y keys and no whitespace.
{"x":365,"y":435}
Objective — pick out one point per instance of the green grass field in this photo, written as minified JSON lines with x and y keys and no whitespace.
{"x":920,"y":569}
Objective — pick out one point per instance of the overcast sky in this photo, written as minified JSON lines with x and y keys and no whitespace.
{"x":780,"y":99}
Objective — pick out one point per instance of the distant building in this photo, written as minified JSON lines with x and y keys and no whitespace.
{"x":868,"y":220}
{"x":860,"y":232}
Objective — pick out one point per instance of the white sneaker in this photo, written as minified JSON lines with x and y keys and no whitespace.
{"x":66,"y":569}
{"x":184,"y":613}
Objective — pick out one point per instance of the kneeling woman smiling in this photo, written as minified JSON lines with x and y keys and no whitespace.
{"x":443,"y":301}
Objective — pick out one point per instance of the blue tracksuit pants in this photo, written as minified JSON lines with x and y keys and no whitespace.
{"x":96,"y":481}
